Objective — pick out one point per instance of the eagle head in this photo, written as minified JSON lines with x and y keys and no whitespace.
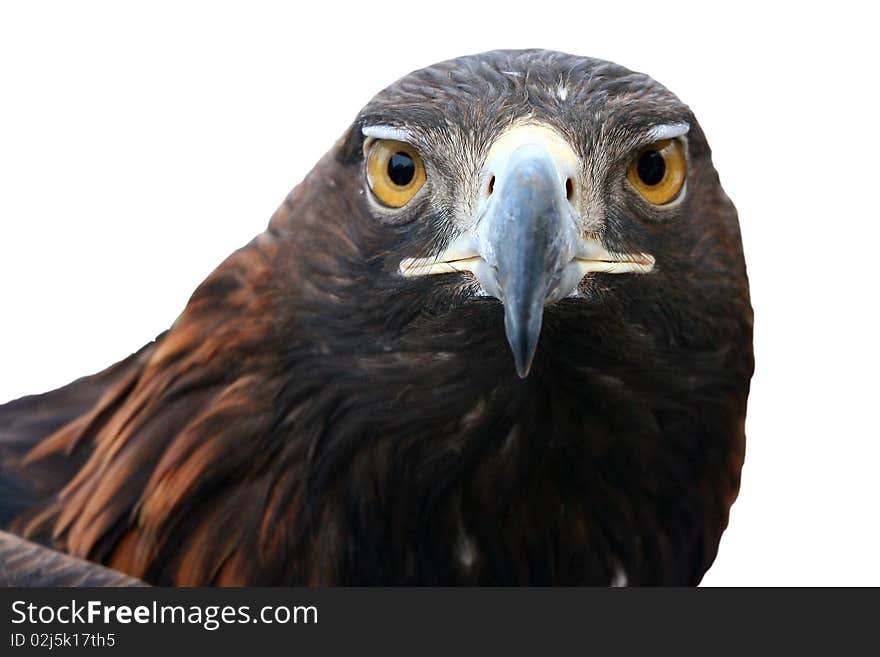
{"x":533,"y":188}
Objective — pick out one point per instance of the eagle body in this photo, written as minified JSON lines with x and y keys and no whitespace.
{"x":315,"y":417}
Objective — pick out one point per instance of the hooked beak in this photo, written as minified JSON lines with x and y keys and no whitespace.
{"x":527,"y":249}
{"x":528,"y":236}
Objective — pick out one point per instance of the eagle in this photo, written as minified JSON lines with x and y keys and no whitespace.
{"x":499,"y":335}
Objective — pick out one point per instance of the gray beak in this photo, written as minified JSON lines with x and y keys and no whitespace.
{"x":527,"y":237}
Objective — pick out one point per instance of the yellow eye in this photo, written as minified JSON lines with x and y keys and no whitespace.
{"x":658,"y":171}
{"x":395,"y":172}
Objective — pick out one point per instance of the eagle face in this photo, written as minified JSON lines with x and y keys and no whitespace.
{"x":555,"y":185}
{"x":501,"y":334}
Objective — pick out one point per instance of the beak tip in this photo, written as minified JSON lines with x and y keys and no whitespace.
{"x":523,"y":345}
{"x":523,"y":368}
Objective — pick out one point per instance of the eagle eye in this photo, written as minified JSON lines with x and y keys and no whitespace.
{"x":394,"y":172}
{"x":658,"y":171}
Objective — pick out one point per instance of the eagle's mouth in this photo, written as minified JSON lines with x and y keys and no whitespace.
{"x":604,"y":263}
{"x":415,"y":267}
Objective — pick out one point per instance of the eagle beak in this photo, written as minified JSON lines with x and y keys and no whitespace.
{"x":528,"y":248}
{"x":527,"y":237}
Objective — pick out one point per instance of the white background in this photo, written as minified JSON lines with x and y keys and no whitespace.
{"x":138,"y":147}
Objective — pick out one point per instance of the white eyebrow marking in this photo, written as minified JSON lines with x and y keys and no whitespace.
{"x":387,"y":132}
{"x":561,"y":91}
{"x":668,"y":131}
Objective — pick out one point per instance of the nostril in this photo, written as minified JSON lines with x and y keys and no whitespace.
{"x":569,"y":189}
{"x":491,"y":186}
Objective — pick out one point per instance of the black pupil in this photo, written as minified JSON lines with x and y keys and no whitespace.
{"x":401,"y":169}
{"x":651,"y":167}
